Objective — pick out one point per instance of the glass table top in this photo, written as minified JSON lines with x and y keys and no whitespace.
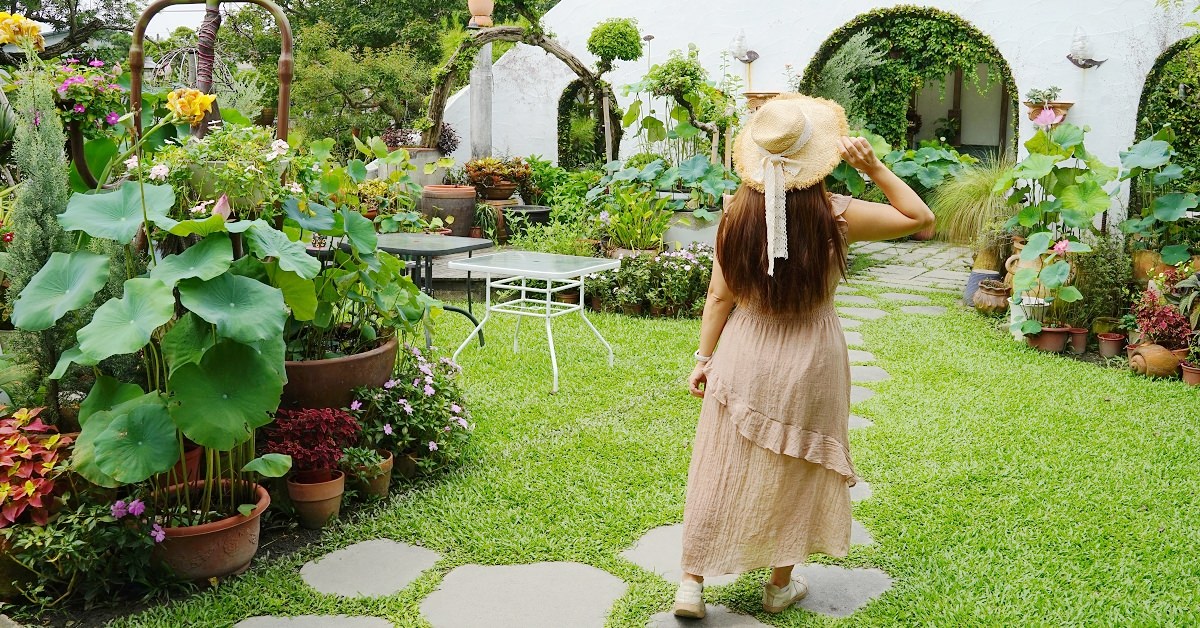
{"x":430,"y":244}
{"x":537,"y":265}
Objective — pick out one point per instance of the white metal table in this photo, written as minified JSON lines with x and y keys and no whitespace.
{"x":512,"y":270}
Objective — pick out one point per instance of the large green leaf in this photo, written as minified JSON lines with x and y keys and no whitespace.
{"x":221,"y":400}
{"x":106,"y":393}
{"x":360,"y":232}
{"x":98,"y":153}
{"x":632,"y":113}
{"x":1172,"y":172}
{"x":1038,"y":244}
{"x":241,"y":308}
{"x":194,"y":226}
{"x":1087,"y":197}
{"x":1067,"y":135}
{"x":266,"y":242}
{"x":1172,"y":207}
{"x":1146,"y":155}
{"x":1176,"y":254}
{"x":300,"y":294}
{"x":69,"y":357}
{"x":67,"y":282}
{"x":116,"y":215}
{"x":1036,"y":166}
{"x":138,"y":444}
{"x":206,"y":259}
{"x":308,"y":215}
{"x":84,"y":457}
{"x":1056,"y":274}
{"x":269,"y":465}
{"x":187,"y":341}
{"x":125,"y":325}
{"x":1069,"y":294}
{"x":272,"y":350}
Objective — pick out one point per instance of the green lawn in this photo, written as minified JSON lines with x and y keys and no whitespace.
{"x":1010,"y":488}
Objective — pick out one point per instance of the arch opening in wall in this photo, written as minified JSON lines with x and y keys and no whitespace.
{"x":1171,"y":95}
{"x":917,"y":74}
{"x":582,"y":137}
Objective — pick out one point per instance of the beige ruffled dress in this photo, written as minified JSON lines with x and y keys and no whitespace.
{"x":770,"y":473}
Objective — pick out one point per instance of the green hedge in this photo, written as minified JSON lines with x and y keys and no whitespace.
{"x":1161,"y":103}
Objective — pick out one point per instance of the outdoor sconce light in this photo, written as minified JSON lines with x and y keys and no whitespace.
{"x":1081,"y":51}
{"x":739,"y":50}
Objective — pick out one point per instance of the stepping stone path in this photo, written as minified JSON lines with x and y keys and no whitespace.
{"x":844,"y":289}
{"x":850,"y":323}
{"x":859,"y":535}
{"x":5,"y":622}
{"x":911,"y":265}
{"x":868,"y":313}
{"x":868,"y":374}
{"x":857,"y":355}
{"x":853,"y":338}
{"x":660,"y":551}
{"x":312,"y":621}
{"x":369,"y":569}
{"x":714,"y":617}
{"x":928,"y":310}
{"x":839,"y":591}
{"x":860,"y":491}
{"x":541,"y":595}
{"x":853,"y":299}
{"x":899,"y":296}
{"x":858,"y":394}
{"x":857,"y":422}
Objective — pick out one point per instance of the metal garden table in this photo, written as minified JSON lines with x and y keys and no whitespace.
{"x":512,"y":271}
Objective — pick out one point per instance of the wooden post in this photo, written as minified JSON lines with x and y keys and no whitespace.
{"x":481,"y":103}
{"x":608,"y":132}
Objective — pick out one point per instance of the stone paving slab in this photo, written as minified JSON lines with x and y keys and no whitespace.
{"x":541,"y":595}
{"x":853,"y":338}
{"x":927,"y":310}
{"x":868,"y":313}
{"x":714,"y":617}
{"x":902,"y":297}
{"x":838,"y":591}
{"x":858,"y":394}
{"x":861,"y":491}
{"x":902,"y":285}
{"x":313,"y":621}
{"x":844,"y":289}
{"x":857,"y":422}
{"x":368,"y":569}
{"x":6,"y":622}
{"x":660,"y":551}
{"x":850,"y":323}
{"x":859,"y":534}
{"x":868,"y":374}
{"x":854,"y":299}
{"x":858,"y":355}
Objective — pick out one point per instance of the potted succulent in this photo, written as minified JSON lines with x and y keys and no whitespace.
{"x":369,"y":469}
{"x":315,"y":438}
{"x":1040,"y":101}
{"x":498,"y":179}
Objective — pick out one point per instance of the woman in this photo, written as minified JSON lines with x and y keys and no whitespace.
{"x":770,"y":473}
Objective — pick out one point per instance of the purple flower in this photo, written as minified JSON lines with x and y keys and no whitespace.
{"x":455,"y":408}
{"x":119,"y":509}
{"x":447,"y":428}
{"x":96,"y":63}
{"x":356,"y":405}
{"x":112,"y":118}
{"x":429,"y":391}
{"x":424,"y":368}
{"x":433,"y":446}
{"x":80,"y":108}
{"x":390,"y":384}
{"x":428,"y":379}
{"x":137,"y":507}
{"x":462,"y":422}
{"x":72,"y":61}
{"x":417,"y":384}
{"x":157,"y":533}
{"x":387,"y":429}
{"x":408,"y":409}
{"x":62,"y":89}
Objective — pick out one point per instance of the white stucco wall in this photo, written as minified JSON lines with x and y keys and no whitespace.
{"x":1034,"y":36}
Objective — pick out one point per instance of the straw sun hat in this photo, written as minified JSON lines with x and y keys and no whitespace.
{"x":790,"y":143}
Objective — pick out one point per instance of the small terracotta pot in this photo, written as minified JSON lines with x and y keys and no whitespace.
{"x":213,"y":550}
{"x":1191,"y":374}
{"x":595,"y":303}
{"x":1050,"y":339}
{"x":632,"y":309}
{"x":658,"y":311}
{"x":1079,"y":339}
{"x":378,"y":486}
{"x":1110,"y":344}
{"x":476,"y":232}
{"x":568,"y":296}
{"x":317,"y":502}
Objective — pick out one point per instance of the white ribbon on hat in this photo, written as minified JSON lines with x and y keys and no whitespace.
{"x":775,"y":166}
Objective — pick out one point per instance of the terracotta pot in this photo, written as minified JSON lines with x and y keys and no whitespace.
{"x":1079,"y":339}
{"x":568,"y":296}
{"x":214,"y":550}
{"x":192,"y":457}
{"x":331,"y":383}
{"x":1147,"y":264}
{"x":317,"y":502}
{"x":991,"y":298}
{"x":1129,"y":349}
{"x":595,"y":303}
{"x":450,"y":201}
{"x":441,"y":232}
{"x":500,"y":192}
{"x":1060,"y":108}
{"x":481,"y":11}
{"x":658,"y":311}
{"x":1110,"y":344}
{"x":1191,"y":374}
{"x":1154,"y":361}
{"x":632,"y":309}
{"x":406,"y":466}
{"x":11,"y":573}
{"x":378,"y":485}
{"x":1051,"y":339}
{"x":476,"y":232}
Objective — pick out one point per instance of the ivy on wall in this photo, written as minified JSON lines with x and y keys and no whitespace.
{"x":571,"y":152}
{"x":923,"y":44}
{"x":1172,"y":96}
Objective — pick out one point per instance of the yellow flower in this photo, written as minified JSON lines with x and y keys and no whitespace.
{"x":19,"y":30}
{"x":190,"y":105}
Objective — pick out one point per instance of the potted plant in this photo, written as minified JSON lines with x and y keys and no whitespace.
{"x":429,"y":164}
{"x":487,"y":221}
{"x":1053,"y":277}
{"x":1191,"y":366}
{"x":1039,"y":101}
{"x":1162,"y":323}
{"x":498,"y":179}
{"x":1111,"y":344}
{"x":1159,"y":235}
{"x":315,"y":439}
{"x":637,"y":221}
{"x":369,"y":469}
{"x":969,"y":211}
{"x":991,"y":299}
{"x":1079,"y":340}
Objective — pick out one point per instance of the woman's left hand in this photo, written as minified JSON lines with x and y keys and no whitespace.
{"x":697,"y":381}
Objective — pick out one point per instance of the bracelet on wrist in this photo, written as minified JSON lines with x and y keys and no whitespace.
{"x":701,"y":358}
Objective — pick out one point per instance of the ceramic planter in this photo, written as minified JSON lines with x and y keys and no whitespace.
{"x":331,"y":383}
{"x":317,"y":502}
{"x":991,"y":298}
{"x":1191,"y":374}
{"x":213,"y":550}
{"x":1050,"y":339}
{"x":1110,"y":344}
{"x":1079,"y":339}
{"x":378,"y":485}
{"x":1154,"y":361}
{"x":450,"y":201}
{"x":1147,"y":264}
{"x":502,"y":191}
{"x":568,"y":296}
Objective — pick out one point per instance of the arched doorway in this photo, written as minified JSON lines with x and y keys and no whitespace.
{"x":582,"y":136}
{"x":1171,"y":95}
{"x":920,"y":73}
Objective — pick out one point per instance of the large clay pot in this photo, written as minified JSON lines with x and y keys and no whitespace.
{"x":1147,"y":264}
{"x":1191,"y":374}
{"x":1154,"y":361}
{"x":991,"y":298}
{"x":1050,"y":339}
{"x":456,"y":201}
{"x":1110,"y":344}
{"x":1015,"y":265}
{"x":1079,"y":339}
{"x":214,"y":550}
{"x":175,"y":476}
{"x":317,"y":502}
{"x":378,"y":485}
{"x":331,"y":383}
{"x":499,"y":192}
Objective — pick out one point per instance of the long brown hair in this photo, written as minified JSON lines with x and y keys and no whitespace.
{"x":816,"y":250}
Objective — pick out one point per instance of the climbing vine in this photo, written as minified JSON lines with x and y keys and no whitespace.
{"x":1172,"y":96}
{"x":923,"y":44}
{"x":570,"y":153}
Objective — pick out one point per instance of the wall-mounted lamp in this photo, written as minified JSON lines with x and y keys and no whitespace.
{"x":1081,"y":51}
{"x":740,"y":51}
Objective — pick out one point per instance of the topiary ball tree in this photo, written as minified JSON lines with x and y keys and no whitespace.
{"x":615,"y":39}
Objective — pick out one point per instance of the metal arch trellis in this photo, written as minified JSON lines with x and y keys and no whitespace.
{"x":181,"y":68}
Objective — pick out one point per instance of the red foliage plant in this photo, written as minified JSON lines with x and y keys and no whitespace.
{"x":314,"y":438}
{"x":1160,"y":322}
{"x":29,"y":463}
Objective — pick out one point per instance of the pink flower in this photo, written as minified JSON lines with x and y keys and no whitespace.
{"x":462,"y":422}
{"x":72,"y":61}
{"x":119,"y":509}
{"x":356,"y":405}
{"x":387,"y":429}
{"x":1047,"y":118}
{"x":408,"y":409}
{"x":158,"y":534}
{"x":390,"y":384}
{"x":132,"y":162}
{"x":417,"y":383}
{"x":137,"y":507}
{"x":455,"y":408}
{"x":429,"y":391}
{"x":96,"y":63}
{"x":112,"y":118}
{"x":428,"y":379}
{"x":425,"y":368}
{"x":80,"y":108}
{"x":447,"y":428}
{"x":433,"y":446}
{"x":159,"y":172}
{"x":1062,"y":247}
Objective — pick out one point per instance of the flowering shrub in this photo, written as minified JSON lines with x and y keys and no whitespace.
{"x":30,"y":457}
{"x":676,"y":281}
{"x":88,"y":93}
{"x":314,"y":438}
{"x":1160,"y":322}
{"x":420,"y":411}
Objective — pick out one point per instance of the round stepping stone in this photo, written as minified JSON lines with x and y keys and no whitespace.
{"x":838,"y":591}
{"x":541,"y":595}
{"x":714,"y":616}
{"x":858,"y":394}
{"x":368,"y":569}
{"x":900,"y":296}
{"x":660,"y":551}
{"x":853,"y":338}
{"x":850,"y":323}
{"x":854,"y":299}
{"x":859,"y":492}
{"x":857,"y":422}
{"x":859,"y":534}
{"x":314,"y":621}
{"x":857,"y":355}
{"x":868,"y":374}
{"x":928,"y":310}
{"x":868,"y":313}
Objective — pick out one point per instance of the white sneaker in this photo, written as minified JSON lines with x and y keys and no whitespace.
{"x":689,"y":600}
{"x":777,"y":600}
